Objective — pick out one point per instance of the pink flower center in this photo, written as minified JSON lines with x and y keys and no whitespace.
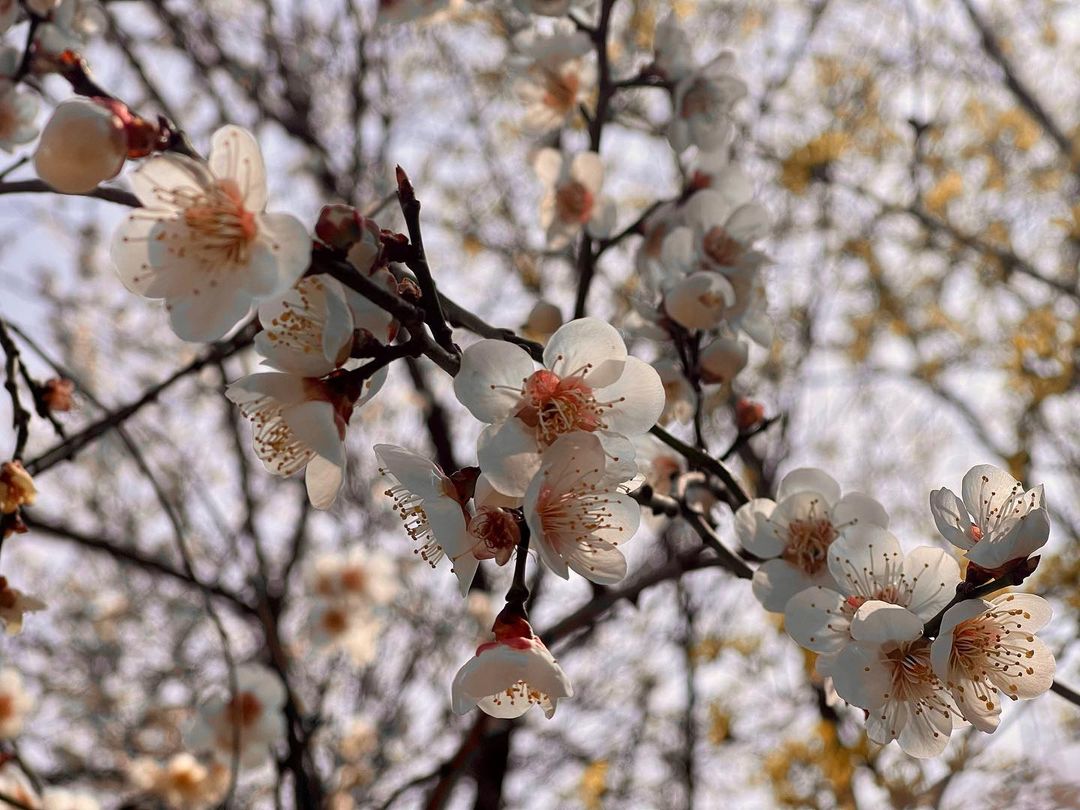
{"x":721,"y":248}
{"x":220,"y":228}
{"x":498,"y":533}
{"x":573,"y":203}
{"x":561,"y":90}
{"x":554,"y":406}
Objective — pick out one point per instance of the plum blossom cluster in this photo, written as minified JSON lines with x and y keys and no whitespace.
{"x":903,"y":636}
{"x":554,"y":463}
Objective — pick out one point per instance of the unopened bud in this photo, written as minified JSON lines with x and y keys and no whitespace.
{"x":16,"y":487}
{"x":83,"y":144}
{"x":57,"y":394}
{"x":544,"y":319}
{"x":748,"y":414}
{"x":338,"y":226}
{"x":408,"y":289}
{"x":722,"y":359}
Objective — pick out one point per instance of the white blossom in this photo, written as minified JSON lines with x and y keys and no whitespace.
{"x":557,"y":79}
{"x":204,"y":242}
{"x":588,"y":383}
{"x":14,"y":604}
{"x":255,"y":713}
{"x":576,"y":513}
{"x":996,"y":520}
{"x":984,"y":647}
{"x":183,"y":783}
{"x":794,"y":533}
{"x":15,"y":703}
{"x":572,"y":196}
{"x":702,"y":105}
{"x":511,"y":674}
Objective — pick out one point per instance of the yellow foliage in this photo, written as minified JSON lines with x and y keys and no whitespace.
{"x":947,"y":189}
{"x":593,"y":784}
{"x":719,"y":724}
{"x":799,"y":168}
{"x":1025,"y":132}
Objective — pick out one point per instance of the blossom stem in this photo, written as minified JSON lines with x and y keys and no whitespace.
{"x":703,"y":461}
{"x":965,"y":592}
{"x":435,"y":318}
{"x":519,"y":591}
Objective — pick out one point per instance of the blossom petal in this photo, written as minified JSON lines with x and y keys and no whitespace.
{"x":951,"y":517}
{"x":171,"y":173}
{"x":776,"y":581}
{"x":202,"y":318}
{"x":323,"y":479}
{"x":933,"y":575}
{"x":491,"y":378}
{"x":642,"y":399}
{"x":1027,"y":536}
{"x":754,"y":532}
{"x":589,"y":347}
{"x":879,"y":622}
{"x":509,"y":455}
{"x":235,"y":155}
{"x":809,"y":479}
{"x":280,"y":256}
{"x":858,"y":509}
{"x":315,"y":424}
{"x":815,"y":619}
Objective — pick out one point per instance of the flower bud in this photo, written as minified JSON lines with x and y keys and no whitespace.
{"x":722,"y":359}
{"x":57,"y":394}
{"x":16,"y":487}
{"x":542,"y":322}
{"x":85,"y":143}
{"x":748,"y":414}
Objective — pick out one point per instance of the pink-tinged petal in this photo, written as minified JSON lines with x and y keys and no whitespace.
{"x":549,"y":556}
{"x":315,"y":424}
{"x":588,"y":347}
{"x":323,"y":479}
{"x":235,"y":155}
{"x":207,"y":317}
{"x":748,"y":223}
{"x":509,"y":455}
{"x":447,"y":523}
{"x":880,"y":622}
{"x":642,"y":399}
{"x":490,"y":381}
{"x":588,"y":170}
{"x":1036,"y":614}
{"x":859,"y":676}
{"x":699,"y":301}
{"x":809,"y":479}
{"x":548,"y":166}
{"x":625,"y":519}
{"x":951,"y":517}
{"x":1027,"y":536}
{"x":776,"y":581}
{"x":371,"y":387}
{"x":619,"y":461}
{"x":160,"y":178}
{"x":856,"y":509}
{"x":284,"y":249}
{"x":754,"y":531}
{"x":601,"y":563}
{"x":815,"y":619}
{"x":933,"y":575}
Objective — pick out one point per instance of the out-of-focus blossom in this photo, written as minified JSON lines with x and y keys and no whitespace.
{"x":793,"y":534}
{"x":16,"y":487}
{"x":9,"y":12}
{"x":300,"y":422}
{"x":572,"y":196}
{"x":403,"y":11}
{"x":14,"y":783}
{"x":544,"y":320}
{"x":887,"y":671}
{"x":510,"y":674}
{"x":722,"y":359}
{"x":15,"y":703}
{"x":203,"y":242}
{"x":674,"y":56}
{"x":748,"y":414}
{"x":557,"y":80}
{"x":700,"y":300}
{"x":867,"y":564}
{"x":18,"y":109}
{"x":588,"y":384}
{"x":996,"y":520}
{"x":702,"y":105}
{"x":984,"y":647}
{"x":69,"y":26}
{"x":183,"y":783}
{"x":343,"y":625}
{"x":577,"y":514}
{"x":63,"y":799}
{"x":255,"y":712}
{"x":14,"y":604}
{"x":360,"y":576}
{"x":58,"y":394}
{"x":678,"y":393}
{"x":549,"y":8}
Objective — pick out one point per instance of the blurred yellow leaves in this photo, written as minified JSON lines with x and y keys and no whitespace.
{"x":593,"y":785}
{"x":1040,"y":361}
{"x":944,"y":191}
{"x":797,"y":770}
{"x":800,"y":167}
